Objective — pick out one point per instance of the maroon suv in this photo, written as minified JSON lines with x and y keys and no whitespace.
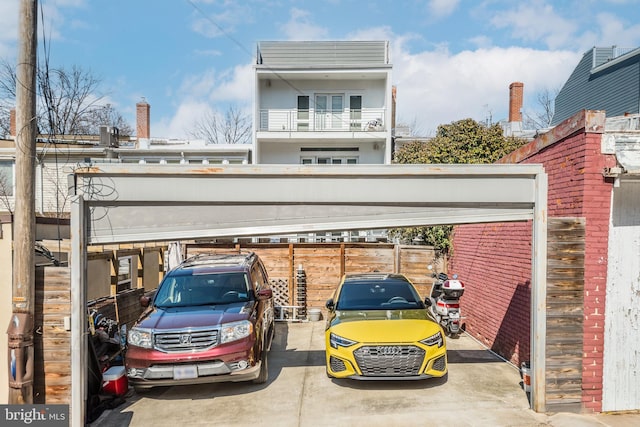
{"x":210,"y":320}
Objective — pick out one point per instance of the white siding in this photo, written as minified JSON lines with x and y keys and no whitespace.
{"x":323,"y":53}
{"x":288,"y":153}
{"x":51,"y":181}
{"x":621,"y":370}
{"x":281,"y":94}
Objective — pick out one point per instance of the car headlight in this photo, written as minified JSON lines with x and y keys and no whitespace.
{"x":434,"y":339}
{"x":337,"y":341}
{"x":235,"y":331}
{"x":139,"y":337}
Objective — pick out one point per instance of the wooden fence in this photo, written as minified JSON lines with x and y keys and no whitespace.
{"x":565,"y":314}
{"x":325,"y":263}
{"x":51,"y":341}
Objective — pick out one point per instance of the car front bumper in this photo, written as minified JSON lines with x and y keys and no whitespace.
{"x":225,"y":363}
{"x":343,"y":363}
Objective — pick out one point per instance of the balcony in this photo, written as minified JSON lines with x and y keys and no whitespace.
{"x":294,"y":120}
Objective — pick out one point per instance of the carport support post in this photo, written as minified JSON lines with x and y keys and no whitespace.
{"x":539,"y":295}
{"x":79,"y":343}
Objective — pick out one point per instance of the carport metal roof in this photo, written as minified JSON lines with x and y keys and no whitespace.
{"x":116,"y":203}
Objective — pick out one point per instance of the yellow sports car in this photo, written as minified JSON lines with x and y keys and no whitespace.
{"x":378,"y":328}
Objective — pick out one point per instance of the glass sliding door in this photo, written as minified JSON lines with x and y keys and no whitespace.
{"x":355,"y":112}
{"x":328,"y":111}
{"x":303,"y":113}
{"x":336,"y":112}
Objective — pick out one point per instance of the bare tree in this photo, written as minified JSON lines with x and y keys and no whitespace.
{"x":7,"y":94}
{"x":6,"y":191}
{"x":105,"y":115}
{"x":68,"y":101}
{"x":232,"y":128}
{"x":67,"y":97}
{"x":542,"y":117}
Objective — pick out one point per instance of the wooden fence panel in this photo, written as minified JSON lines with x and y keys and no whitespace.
{"x":322,"y":268}
{"x":413,"y":264}
{"x":368,"y":259}
{"x":52,"y":343}
{"x":565,"y":314}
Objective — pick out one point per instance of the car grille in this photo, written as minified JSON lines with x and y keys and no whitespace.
{"x":337,"y":365}
{"x":389,"y":360}
{"x":186,"y":340}
{"x":439,"y":364}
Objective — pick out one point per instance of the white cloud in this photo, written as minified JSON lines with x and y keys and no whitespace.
{"x":182,"y":120}
{"x":442,"y":8}
{"x":208,"y":91}
{"x":437,"y":87}
{"x":300,"y":27}
{"x":537,"y":22}
{"x":481,"y":41}
{"x":612,"y":31}
{"x":236,"y":85}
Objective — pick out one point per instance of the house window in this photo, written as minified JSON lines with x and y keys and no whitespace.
{"x":355,"y":112}
{"x":125,"y":273}
{"x":6,"y":178}
{"x":303,"y":113}
{"x":329,"y":160}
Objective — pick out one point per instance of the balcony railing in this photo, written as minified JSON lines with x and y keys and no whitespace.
{"x":365,"y":120}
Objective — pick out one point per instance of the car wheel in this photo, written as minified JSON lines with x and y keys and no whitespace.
{"x":264,"y":368}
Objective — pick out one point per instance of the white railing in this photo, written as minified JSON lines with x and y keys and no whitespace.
{"x":365,"y":120}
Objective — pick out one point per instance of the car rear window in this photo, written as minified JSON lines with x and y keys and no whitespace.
{"x":378,"y":295}
{"x":203,"y":289}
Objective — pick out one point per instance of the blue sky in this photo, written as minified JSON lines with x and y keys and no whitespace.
{"x":452,"y":59}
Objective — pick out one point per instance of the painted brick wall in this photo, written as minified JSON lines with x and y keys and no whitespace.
{"x":494,"y":260}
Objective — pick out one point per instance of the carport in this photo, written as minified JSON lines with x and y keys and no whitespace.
{"x":115,"y":203}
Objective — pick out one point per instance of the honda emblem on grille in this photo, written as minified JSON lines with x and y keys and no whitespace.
{"x":388,"y":350}
{"x":185,"y":339}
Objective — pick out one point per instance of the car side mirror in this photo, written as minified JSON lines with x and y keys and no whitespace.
{"x":144,"y":301}
{"x":427,"y":302}
{"x":263,"y":294}
{"x":330,"y":304}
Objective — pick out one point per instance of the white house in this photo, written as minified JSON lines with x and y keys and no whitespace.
{"x":322,"y":102}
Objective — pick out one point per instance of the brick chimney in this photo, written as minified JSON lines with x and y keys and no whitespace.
{"x":143,"y":113}
{"x":12,"y":122}
{"x":516,"y":90}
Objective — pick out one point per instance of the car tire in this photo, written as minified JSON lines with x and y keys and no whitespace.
{"x":264,"y":368}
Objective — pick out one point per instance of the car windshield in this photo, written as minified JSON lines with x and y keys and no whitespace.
{"x":389,"y":294}
{"x":202,"y":289}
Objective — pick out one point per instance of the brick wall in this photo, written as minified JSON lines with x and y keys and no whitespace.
{"x":494,"y":260}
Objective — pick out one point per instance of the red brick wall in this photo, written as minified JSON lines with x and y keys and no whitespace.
{"x":494,"y":260}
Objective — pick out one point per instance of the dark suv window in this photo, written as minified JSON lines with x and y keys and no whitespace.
{"x":203,"y":289}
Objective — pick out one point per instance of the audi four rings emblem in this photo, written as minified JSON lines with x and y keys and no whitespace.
{"x":387,"y":350}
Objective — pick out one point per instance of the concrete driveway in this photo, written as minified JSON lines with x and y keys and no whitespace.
{"x":481,"y":390}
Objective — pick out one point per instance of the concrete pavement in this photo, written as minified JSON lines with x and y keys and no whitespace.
{"x":481,"y":390}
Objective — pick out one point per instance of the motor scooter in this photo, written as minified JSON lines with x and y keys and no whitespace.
{"x":445,"y":302}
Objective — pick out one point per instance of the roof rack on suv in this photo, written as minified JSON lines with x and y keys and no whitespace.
{"x":218,"y":258}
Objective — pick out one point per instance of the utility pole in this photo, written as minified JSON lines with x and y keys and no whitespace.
{"x":20,"y":331}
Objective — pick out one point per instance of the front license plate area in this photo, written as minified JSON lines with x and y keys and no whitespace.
{"x":185,"y":372}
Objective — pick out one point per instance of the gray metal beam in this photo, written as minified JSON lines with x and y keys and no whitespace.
{"x":538,"y":336}
{"x":115,"y":224}
{"x":79,"y":344}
